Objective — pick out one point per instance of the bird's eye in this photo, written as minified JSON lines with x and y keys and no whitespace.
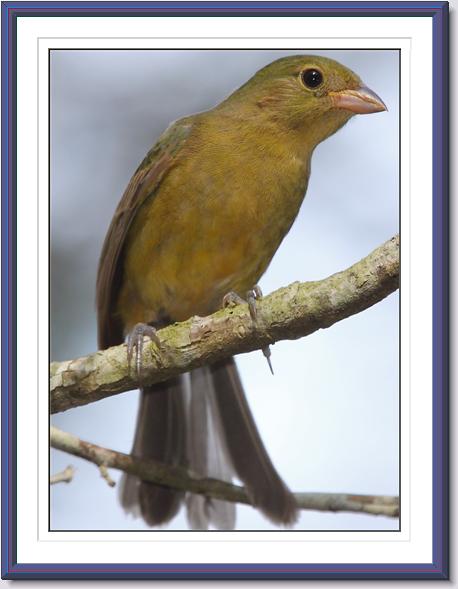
{"x":312,"y":78}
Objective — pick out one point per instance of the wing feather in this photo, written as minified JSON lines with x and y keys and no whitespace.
{"x":143,"y":184}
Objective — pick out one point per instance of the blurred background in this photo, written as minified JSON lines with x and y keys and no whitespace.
{"x":329,"y":416}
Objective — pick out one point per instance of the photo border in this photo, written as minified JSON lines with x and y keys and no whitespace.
{"x":438,"y":12}
{"x":241,"y":49}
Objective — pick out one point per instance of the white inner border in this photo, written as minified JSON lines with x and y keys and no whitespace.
{"x":414,"y":543}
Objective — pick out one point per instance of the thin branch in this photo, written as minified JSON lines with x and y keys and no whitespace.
{"x":288,"y":313}
{"x":66,"y":476}
{"x":106,"y":475}
{"x":180,"y":478}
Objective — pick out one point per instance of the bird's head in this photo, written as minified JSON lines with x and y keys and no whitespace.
{"x":307,"y":93}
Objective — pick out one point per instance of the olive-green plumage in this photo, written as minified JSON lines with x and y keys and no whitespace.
{"x":203,"y":215}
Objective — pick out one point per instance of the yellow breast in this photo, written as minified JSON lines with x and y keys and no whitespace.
{"x":213,"y":226}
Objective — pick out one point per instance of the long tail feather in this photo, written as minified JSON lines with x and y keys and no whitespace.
{"x":160,"y":435}
{"x":207,"y":455}
{"x":248,"y":455}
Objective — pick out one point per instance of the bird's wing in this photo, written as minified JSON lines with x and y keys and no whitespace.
{"x":143,"y":184}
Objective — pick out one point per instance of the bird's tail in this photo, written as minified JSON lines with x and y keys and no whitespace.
{"x":203,"y":421}
{"x":248,"y":455}
{"x":160,"y":435}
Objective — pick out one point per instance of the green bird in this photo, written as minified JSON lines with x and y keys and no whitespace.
{"x":203,"y":216}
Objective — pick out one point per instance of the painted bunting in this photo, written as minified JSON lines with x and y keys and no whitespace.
{"x":203,"y":216}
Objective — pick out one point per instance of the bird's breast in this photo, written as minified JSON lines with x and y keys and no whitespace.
{"x":213,"y":226}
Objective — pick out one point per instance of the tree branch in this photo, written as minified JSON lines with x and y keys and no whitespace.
{"x":66,"y":476}
{"x":180,"y":478}
{"x":288,"y":313}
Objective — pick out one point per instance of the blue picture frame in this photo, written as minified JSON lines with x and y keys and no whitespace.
{"x":439,"y":567}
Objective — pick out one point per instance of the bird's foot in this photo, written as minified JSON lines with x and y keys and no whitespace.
{"x":231,"y":299}
{"x":135,"y":339}
{"x":253,"y":295}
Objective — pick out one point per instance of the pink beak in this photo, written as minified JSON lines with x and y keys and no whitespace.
{"x":361,"y":101}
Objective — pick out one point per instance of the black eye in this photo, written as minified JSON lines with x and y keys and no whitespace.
{"x":312,"y":78}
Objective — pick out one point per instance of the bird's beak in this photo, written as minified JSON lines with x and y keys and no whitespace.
{"x":361,"y":101}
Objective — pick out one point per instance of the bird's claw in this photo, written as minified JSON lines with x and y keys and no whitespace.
{"x":231,"y":299}
{"x":267,"y":354}
{"x":253,"y":295}
{"x":135,"y":339}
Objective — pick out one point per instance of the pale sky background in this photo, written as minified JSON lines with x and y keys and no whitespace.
{"x":329,"y":416}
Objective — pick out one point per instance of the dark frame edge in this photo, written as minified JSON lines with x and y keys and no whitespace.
{"x":5,"y":304}
{"x":441,"y":307}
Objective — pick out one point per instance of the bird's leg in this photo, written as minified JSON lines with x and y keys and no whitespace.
{"x":135,"y":339}
{"x":254,"y":294}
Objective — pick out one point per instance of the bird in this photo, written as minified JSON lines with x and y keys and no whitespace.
{"x":202,"y":217}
